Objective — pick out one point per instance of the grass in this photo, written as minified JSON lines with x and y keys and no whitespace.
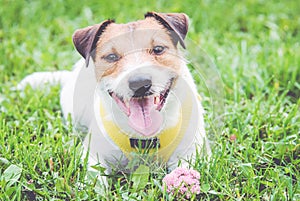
{"x":255,"y":46}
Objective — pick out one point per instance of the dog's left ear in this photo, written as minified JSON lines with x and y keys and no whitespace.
{"x":176,"y":23}
{"x":85,"y":39}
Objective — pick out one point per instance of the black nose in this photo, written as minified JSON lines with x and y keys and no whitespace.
{"x":140,"y":85}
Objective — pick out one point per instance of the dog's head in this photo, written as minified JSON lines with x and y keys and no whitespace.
{"x":137,"y":64}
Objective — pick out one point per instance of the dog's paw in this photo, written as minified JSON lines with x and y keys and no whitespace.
{"x":101,"y":181}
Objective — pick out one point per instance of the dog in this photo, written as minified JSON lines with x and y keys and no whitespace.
{"x":132,"y":90}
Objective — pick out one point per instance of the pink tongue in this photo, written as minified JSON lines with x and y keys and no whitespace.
{"x":144,"y":117}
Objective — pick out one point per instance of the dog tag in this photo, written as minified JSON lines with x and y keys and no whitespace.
{"x":151,"y":143}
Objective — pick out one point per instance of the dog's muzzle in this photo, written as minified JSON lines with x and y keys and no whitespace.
{"x":144,"y":107}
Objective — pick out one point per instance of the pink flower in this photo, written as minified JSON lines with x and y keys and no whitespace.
{"x":182,"y":181}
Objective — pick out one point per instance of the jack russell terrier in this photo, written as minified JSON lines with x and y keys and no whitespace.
{"x":133,"y":91}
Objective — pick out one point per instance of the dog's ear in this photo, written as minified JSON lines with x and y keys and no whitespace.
{"x":177,"y":23}
{"x":85,"y":39}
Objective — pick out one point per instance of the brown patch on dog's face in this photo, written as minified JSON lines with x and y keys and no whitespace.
{"x":122,"y":45}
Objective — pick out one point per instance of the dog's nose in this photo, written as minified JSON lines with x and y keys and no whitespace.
{"x":140,"y":85}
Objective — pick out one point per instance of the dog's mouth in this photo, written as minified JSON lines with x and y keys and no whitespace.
{"x":143,"y":113}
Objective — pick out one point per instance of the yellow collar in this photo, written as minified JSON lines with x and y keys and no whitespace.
{"x":168,"y":139}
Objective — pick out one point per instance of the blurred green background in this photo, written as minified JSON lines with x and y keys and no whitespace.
{"x":255,"y":45}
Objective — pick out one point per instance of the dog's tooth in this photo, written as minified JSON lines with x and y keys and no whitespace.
{"x":156,"y":100}
{"x":126,"y":103}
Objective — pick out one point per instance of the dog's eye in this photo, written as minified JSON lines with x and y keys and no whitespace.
{"x":111,"y":58}
{"x":158,"y":50}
